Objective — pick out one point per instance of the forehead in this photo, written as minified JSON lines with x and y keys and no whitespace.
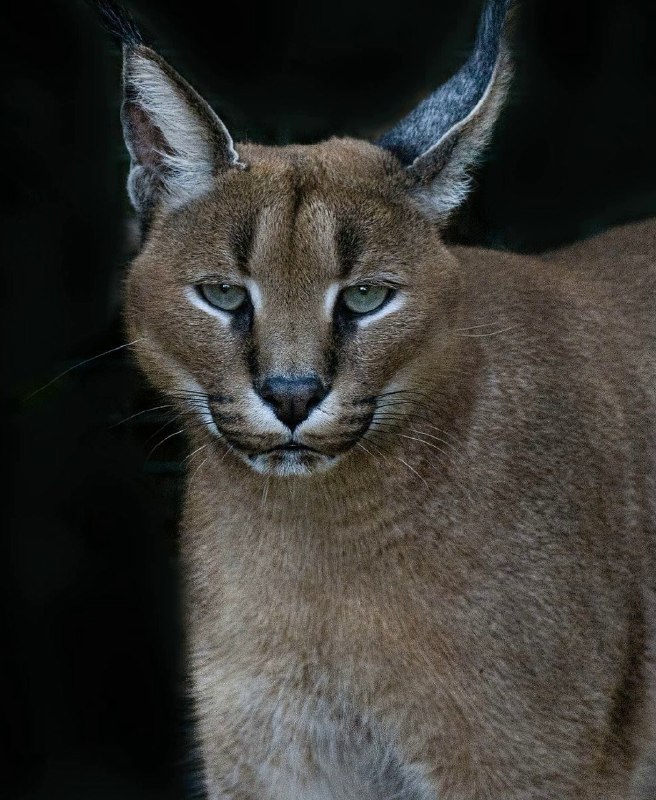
{"x":319,"y":207}
{"x":335,"y":164}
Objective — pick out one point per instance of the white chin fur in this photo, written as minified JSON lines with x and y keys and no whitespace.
{"x":289,"y":464}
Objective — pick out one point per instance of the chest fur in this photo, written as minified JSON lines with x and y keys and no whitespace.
{"x":309,"y":744}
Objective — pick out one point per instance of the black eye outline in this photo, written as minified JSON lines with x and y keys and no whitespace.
{"x":345,"y":308}
{"x":245,"y":298}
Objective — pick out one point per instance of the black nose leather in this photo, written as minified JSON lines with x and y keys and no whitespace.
{"x":292,"y":398}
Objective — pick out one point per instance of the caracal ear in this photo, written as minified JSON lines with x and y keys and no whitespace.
{"x":446,"y":134}
{"x":177,"y":144}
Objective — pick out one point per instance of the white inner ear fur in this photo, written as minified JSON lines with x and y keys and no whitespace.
{"x":191,"y":166}
{"x":451,"y":185}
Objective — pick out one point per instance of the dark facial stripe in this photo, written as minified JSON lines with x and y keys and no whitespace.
{"x":242,"y":319}
{"x":241,"y":241}
{"x":349,"y":247}
{"x":251,"y":357}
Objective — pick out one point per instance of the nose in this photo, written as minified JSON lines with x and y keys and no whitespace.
{"x":292,"y":398}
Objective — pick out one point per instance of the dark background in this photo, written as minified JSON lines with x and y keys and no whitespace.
{"x":92,"y":642}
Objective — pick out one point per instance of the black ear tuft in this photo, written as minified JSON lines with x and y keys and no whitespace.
{"x":118,"y":22}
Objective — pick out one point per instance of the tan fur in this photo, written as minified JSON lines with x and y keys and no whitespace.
{"x":460,"y":606}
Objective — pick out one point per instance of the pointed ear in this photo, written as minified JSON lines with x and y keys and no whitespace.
{"x":177,"y":144}
{"x":446,"y":134}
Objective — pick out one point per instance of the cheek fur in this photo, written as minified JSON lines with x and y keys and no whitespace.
{"x":372,"y":352}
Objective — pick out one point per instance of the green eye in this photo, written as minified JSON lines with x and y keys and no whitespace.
{"x":365,"y":298}
{"x":225,"y":296}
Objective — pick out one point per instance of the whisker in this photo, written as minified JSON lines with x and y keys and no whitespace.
{"x":80,"y":364}
{"x":432,"y":436}
{"x":493,"y":333}
{"x":428,"y":444}
{"x":187,"y":393}
{"x":165,"y":439}
{"x":461,"y":485}
{"x":412,"y":469}
{"x":431,"y":406}
{"x":419,"y":416}
{"x":362,"y":447}
{"x":191,"y":399}
{"x":412,"y":392}
{"x":193,"y":452}
{"x":265,"y":491}
{"x":471,"y":327}
{"x":396,"y":427}
{"x":163,"y":427}
{"x":480,"y":325}
{"x":196,"y":471}
{"x":378,"y":447}
{"x":397,"y":420}
{"x":392,"y":435}
{"x":138,"y":414}
{"x":413,"y":418}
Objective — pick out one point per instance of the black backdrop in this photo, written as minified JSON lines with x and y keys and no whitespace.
{"x":92,"y":640}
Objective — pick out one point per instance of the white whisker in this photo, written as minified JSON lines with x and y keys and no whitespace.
{"x":196,"y":471}
{"x":480,"y":325}
{"x":81,"y":364}
{"x":437,"y":438}
{"x":265,"y":490}
{"x":138,"y":414}
{"x":165,"y":439}
{"x":412,"y":469}
{"x":428,"y":444}
{"x":193,"y":452}
{"x":493,"y":333}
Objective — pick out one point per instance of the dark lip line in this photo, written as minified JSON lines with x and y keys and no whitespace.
{"x":290,"y":447}
{"x":297,"y":447}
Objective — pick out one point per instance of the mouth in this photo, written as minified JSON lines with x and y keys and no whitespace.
{"x":288,"y":447}
{"x":291,"y":458}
